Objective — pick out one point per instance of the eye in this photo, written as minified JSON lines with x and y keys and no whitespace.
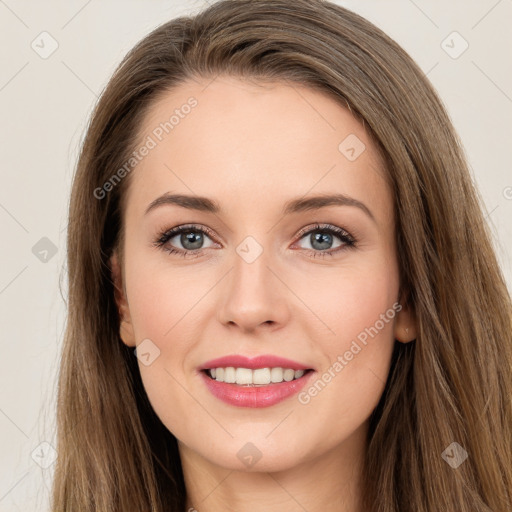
{"x":190,"y":237}
{"x":322,"y":237}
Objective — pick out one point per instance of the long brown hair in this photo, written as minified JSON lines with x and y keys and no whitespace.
{"x":452,"y":384}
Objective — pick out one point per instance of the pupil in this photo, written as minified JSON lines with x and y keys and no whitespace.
{"x":193,"y":238}
{"x":324,"y":239}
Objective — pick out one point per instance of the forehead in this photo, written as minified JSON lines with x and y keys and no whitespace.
{"x":251,"y":141}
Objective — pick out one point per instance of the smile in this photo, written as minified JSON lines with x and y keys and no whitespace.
{"x":257,"y":377}
{"x":254,"y":388}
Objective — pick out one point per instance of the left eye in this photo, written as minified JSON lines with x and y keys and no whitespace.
{"x":321,"y":237}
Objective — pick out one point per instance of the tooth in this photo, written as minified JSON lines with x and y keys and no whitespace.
{"x":229,"y":375}
{"x":243,"y":376}
{"x":288,"y":374}
{"x":276,"y":375}
{"x":261,"y":376}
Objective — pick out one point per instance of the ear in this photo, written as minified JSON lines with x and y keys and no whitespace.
{"x":125,"y":325}
{"x":405,"y":329}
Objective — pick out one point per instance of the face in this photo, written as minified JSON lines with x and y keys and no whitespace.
{"x":260,"y":269}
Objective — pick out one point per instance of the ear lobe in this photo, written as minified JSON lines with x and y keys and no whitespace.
{"x":405,"y":329}
{"x":125,"y":325}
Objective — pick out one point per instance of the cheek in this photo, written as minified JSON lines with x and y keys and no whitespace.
{"x":366,"y":300}
{"x":161,"y":308}
{"x":160,"y":302}
{"x":359,"y":309}
{"x":349,"y":300}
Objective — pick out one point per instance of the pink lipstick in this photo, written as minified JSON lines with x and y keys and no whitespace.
{"x":261,"y":381}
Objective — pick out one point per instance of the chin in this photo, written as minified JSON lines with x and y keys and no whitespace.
{"x":253,"y":454}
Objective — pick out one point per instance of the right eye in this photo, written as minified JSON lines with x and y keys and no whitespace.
{"x":190,"y":237}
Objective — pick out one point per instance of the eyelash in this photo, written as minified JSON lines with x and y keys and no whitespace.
{"x":347,"y":239}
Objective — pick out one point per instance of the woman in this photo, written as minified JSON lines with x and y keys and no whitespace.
{"x":212,"y":361}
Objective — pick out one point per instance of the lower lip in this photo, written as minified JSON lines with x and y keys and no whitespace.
{"x":255,"y":396}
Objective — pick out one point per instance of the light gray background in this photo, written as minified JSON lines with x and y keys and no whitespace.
{"x":45,"y":104}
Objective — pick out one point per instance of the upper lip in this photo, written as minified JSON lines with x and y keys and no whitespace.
{"x":263,"y":361}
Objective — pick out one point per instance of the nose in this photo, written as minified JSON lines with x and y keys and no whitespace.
{"x":253,"y":295}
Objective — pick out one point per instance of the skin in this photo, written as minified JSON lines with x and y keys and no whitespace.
{"x":252,"y":147}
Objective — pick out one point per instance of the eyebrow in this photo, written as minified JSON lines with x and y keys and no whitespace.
{"x":205,"y":204}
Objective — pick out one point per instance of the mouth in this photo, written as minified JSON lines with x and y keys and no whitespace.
{"x":258,"y":377}
{"x":259,"y":381}
{"x":255,"y":388}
